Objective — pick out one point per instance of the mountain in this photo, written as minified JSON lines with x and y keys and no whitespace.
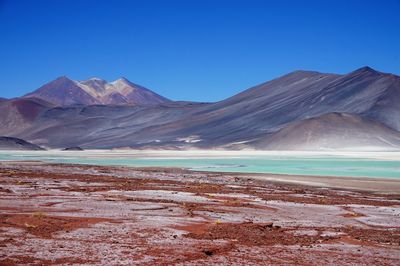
{"x":254,"y":118}
{"x":334,"y":131}
{"x":8,"y":143}
{"x":105,"y":126}
{"x":63,"y":91}
{"x":21,"y":114}
{"x":299,"y":95}
{"x":66,"y":92}
{"x":121,"y":91}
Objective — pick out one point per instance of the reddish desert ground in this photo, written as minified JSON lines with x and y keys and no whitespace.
{"x":93,"y":215}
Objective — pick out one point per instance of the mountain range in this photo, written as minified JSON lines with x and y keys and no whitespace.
{"x":303,"y":110}
{"x":65,"y":92}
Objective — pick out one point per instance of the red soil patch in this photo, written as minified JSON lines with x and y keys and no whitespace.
{"x":41,"y":225}
{"x":27,"y":108}
{"x":389,"y":236}
{"x":199,"y":252}
{"x":248,"y":234}
{"x":25,"y":260}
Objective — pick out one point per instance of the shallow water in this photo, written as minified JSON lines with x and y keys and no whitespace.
{"x":298,"y":164}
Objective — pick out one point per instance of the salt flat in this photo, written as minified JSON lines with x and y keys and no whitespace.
{"x":102,"y":215}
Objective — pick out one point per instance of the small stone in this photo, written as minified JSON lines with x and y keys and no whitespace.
{"x":208,"y":252}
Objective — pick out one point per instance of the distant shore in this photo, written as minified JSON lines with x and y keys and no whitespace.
{"x":379,"y":185}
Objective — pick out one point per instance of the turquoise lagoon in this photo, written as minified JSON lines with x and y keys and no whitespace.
{"x":296,"y":164}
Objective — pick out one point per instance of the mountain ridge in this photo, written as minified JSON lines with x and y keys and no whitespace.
{"x":333,"y":131}
{"x":64,"y":91}
{"x":248,"y":119}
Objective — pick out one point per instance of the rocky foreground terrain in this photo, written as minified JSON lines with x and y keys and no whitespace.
{"x":70,"y":214}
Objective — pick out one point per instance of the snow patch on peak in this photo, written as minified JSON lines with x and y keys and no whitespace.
{"x":103,"y":91}
{"x":96,"y":79}
{"x":99,"y":91}
{"x":121,"y":80}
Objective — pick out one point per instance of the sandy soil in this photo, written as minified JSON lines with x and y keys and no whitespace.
{"x":93,"y":215}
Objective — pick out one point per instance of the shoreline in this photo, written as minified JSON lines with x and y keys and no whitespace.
{"x":383,"y":165}
{"x":370,"y":184}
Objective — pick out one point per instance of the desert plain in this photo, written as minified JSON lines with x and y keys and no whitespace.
{"x":106,"y":215}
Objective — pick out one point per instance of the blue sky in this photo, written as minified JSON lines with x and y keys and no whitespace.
{"x":192,"y":50}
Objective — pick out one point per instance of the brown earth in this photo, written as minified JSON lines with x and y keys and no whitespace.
{"x":96,"y":215}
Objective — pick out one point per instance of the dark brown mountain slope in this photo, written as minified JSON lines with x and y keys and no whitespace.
{"x":332,"y":131}
{"x":248,"y":118}
{"x":8,"y":143}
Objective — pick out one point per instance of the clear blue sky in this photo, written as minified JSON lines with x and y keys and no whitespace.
{"x":194,"y":49}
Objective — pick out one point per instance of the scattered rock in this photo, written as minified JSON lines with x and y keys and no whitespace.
{"x":208,"y":252}
{"x":73,"y":149}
